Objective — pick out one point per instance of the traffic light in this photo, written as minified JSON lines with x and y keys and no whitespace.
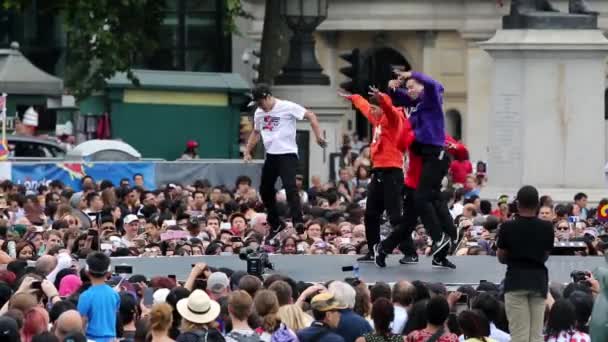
{"x":352,"y":72}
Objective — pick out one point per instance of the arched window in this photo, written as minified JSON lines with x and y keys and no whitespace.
{"x":453,"y":123}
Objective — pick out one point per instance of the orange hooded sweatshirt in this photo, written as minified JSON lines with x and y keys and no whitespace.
{"x":390,"y":132}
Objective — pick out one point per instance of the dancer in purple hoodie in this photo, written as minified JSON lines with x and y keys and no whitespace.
{"x":423,"y":97}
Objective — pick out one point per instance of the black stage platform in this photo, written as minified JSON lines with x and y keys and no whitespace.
{"x":320,"y":268}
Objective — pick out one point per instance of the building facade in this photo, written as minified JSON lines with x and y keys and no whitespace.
{"x":437,"y":37}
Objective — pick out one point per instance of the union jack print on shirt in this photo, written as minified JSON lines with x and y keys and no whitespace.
{"x":270,"y":122}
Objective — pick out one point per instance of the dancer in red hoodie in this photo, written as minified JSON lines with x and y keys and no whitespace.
{"x":387,"y":150}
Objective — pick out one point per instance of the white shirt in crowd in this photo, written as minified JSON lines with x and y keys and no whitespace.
{"x":574,"y":336}
{"x":278,"y":126}
{"x":303,"y":195}
{"x":400,"y":320}
{"x":498,"y":335}
{"x":457,"y":209}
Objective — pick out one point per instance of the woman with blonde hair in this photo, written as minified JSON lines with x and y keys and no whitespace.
{"x":294,"y":317}
{"x":266,"y":305}
{"x":108,"y":196}
{"x":161,"y":318}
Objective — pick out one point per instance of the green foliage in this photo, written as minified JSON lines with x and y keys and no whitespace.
{"x":105,"y":36}
{"x":234,"y":9}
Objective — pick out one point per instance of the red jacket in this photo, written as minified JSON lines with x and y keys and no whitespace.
{"x":390,"y":132}
{"x":412,"y":176}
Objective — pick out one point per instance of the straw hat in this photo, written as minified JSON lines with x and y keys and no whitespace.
{"x":198,"y":308}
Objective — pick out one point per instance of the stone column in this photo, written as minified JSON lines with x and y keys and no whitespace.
{"x":479,"y":71}
{"x":329,"y":108}
{"x":547,"y":123}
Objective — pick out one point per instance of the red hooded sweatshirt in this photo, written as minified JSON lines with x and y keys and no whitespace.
{"x":412,"y":176}
{"x":389,"y":132}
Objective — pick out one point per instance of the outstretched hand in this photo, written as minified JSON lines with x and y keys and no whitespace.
{"x":344,"y":95}
{"x":373,"y":91}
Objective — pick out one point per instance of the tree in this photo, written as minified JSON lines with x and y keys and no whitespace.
{"x":275,"y":42}
{"x":105,"y":36}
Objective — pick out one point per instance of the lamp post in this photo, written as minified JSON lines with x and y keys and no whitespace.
{"x":303,"y":17}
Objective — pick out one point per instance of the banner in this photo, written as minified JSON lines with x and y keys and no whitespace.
{"x":71,"y":174}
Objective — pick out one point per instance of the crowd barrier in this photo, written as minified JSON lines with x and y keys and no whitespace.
{"x":321,"y":268}
{"x":156,"y":173}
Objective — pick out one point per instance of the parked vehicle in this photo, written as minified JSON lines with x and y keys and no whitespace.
{"x":26,"y":147}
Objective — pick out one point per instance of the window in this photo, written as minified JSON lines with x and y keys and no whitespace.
{"x":191,"y":38}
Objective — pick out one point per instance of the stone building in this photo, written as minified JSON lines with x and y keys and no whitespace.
{"x":438,"y":37}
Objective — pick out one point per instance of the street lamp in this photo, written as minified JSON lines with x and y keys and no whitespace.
{"x":303,"y":17}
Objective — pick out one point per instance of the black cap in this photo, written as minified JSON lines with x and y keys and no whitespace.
{"x":9,"y":330}
{"x":260,"y":91}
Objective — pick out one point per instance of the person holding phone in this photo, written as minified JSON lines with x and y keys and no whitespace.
{"x":275,"y":122}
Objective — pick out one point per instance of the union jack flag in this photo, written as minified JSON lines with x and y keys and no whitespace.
{"x":270,"y":123}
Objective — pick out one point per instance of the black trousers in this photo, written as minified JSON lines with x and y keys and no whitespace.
{"x":383,"y":193}
{"x":402,"y":235}
{"x":428,"y":199}
{"x":284,"y":166}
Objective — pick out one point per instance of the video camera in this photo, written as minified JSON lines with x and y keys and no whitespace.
{"x":257,"y":261}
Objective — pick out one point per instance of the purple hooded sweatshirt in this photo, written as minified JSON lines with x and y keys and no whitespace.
{"x":426,"y":112}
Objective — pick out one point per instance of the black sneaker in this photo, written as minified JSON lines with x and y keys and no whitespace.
{"x":369,"y":257}
{"x":445,"y":263}
{"x":380,"y":259}
{"x":409,"y":259}
{"x":439,"y":245}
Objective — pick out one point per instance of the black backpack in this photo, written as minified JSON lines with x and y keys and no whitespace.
{"x":209,"y":335}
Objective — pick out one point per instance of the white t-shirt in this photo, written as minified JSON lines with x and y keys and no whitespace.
{"x":278,"y":127}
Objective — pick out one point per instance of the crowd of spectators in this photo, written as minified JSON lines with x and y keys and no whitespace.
{"x":91,"y":303}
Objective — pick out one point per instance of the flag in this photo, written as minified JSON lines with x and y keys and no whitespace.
{"x":4,"y":152}
{"x":602,"y":213}
{"x":3,"y":107}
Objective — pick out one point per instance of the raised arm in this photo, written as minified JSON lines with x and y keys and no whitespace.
{"x":400,"y":97}
{"x":433,"y":89}
{"x":393,"y":115}
{"x":362,"y":106}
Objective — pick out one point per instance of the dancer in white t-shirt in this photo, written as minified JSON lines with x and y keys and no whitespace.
{"x":275,"y":121}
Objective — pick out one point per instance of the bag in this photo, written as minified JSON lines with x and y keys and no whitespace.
{"x":253,"y":337}
{"x":211,"y":335}
{"x":435,"y":337}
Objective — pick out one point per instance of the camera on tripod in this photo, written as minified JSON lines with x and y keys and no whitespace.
{"x":257,"y":261}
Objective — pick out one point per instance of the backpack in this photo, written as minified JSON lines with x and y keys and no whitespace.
{"x":210,"y":335}
{"x":253,"y":337}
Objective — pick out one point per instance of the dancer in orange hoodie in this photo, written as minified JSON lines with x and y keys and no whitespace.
{"x":387,"y":150}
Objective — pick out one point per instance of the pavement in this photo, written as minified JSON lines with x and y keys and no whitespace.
{"x":321,"y":268}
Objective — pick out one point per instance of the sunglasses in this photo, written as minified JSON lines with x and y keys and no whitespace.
{"x":563,"y":228}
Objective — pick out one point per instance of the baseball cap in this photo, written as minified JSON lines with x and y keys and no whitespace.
{"x":191,"y":144}
{"x":325,"y":302}
{"x":130,"y":218}
{"x":260,"y":91}
{"x":160,"y":296}
{"x":503,"y":199}
{"x":9,"y":330}
{"x":217,"y":282}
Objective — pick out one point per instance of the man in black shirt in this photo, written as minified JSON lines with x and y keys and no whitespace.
{"x":524,"y":245}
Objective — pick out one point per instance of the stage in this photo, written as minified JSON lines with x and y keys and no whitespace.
{"x":321,"y":268}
